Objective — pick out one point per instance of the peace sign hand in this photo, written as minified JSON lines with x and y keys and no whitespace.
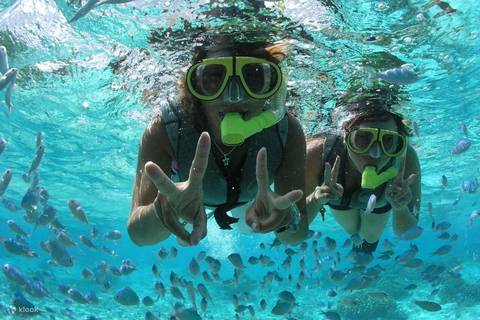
{"x":183,"y":200}
{"x":330,"y":189}
{"x":398,"y":192}
{"x":269,"y":211}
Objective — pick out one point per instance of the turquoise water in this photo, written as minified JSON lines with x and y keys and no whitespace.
{"x":92,"y":116}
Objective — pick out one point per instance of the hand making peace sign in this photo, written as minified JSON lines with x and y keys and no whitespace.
{"x":398,"y":192}
{"x":183,"y":200}
{"x":330,"y":189}
{"x":269,"y":211}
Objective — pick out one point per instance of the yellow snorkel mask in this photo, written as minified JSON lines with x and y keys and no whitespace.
{"x":260,"y":78}
{"x":392,"y":143}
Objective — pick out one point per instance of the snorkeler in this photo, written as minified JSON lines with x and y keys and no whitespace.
{"x":233,"y":95}
{"x":368,"y":167}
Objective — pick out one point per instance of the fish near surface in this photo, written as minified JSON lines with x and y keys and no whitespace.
{"x":400,"y":76}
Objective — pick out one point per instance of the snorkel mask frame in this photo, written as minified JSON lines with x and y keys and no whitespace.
{"x":377,"y":136}
{"x":233,"y":67}
{"x":370,"y":178}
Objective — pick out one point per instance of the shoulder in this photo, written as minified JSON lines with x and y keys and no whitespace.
{"x":412,"y":163}
{"x":155,"y":128}
{"x":315,"y":144}
{"x":155,"y":138}
{"x":295,"y":141}
{"x":294,"y":127}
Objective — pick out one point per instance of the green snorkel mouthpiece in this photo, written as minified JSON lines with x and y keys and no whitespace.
{"x":371,"y":180}
{"x":235,"y":130}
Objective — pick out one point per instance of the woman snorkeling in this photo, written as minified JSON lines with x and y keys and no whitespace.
{"x":365,"y":171}
{"x":233,"y":95}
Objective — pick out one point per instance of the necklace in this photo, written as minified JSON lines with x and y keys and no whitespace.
{"x":226,"y":159}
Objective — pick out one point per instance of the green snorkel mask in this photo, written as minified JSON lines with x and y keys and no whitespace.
{"x":260,"y":78}
{"x":392,"y":144}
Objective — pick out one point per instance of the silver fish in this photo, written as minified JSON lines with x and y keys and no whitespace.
{"x":15,"y":227}
{"x":8,"y":93}
{"x":77,"y":296}
{"x":77,"y":210}
{"x":37,"y":158}
{"x":127,"y":297}
{"x":59,"y":253}
{"x":3,"y":145}
{"x":236,"y":260}
{"x":400,"y":76}
{"x":3,"y":60}
{"x":370,"y":204}
{"x":202,"y":289}
{"x":5,"y":181}
{"x":14,"y":275}
{"x":7,"y":78}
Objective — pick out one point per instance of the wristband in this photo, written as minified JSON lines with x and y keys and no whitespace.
{"x":292,"y":227}
{"x":315,"y":199}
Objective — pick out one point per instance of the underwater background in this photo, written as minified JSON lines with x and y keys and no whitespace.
{"x":91,"y":86}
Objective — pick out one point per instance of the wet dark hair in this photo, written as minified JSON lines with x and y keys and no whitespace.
{"x":372,"y":105}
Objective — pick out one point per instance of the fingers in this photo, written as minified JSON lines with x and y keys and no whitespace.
{"x":199,"y":228}
{"x":336,"y":168}
{"x":200,"y":162}
{"x":409,"y":180}
{"x":171,"y":222}
{"x":327,"y":174}
{"x":285,"y":201}
{"x":401,"y":168}
{"x":279,"y":218}
{"x":262,"y":172}
{"x":159,"y":178}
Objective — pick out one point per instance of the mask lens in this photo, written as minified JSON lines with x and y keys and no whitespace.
{"x":392,"y":143}
{"x":260,"y":78}
{"x":360,"y":141}
{"x":207,"y":79}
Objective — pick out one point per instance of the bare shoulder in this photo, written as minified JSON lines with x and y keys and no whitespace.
{"x":294,"y":125}
{"x":155,"y":139}
{"x":315,"y":145}
{"x":412,"y":164}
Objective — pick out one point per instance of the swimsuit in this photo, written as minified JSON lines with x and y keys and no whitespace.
{"x":222,"y":191}
{"x":353,"y":198}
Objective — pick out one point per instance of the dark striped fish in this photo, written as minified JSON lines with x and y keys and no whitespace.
{"x":428,"y":305}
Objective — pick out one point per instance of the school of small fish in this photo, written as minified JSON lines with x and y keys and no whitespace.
{"x":191,"y":289}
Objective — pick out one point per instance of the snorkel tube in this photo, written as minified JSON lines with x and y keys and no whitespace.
{"x":235,"y":130}
{"x":371,"y":180}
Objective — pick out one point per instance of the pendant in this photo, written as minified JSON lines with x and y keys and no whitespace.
{"x":225,"y":161}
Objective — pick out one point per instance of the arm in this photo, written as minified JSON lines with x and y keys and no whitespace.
{"x":403,"y":219}
{"x":144,"y":227}
{"x":291,"y":176}
{"x":314,"y":165}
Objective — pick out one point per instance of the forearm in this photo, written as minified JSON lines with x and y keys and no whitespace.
{"x":294,"y":239}
{"x":313,"y":207}
{"x":403,"y":220}
{"x":145,"y":228}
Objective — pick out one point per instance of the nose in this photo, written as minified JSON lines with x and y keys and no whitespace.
{"x":234,"y":91}
{"x":374,"y":150}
